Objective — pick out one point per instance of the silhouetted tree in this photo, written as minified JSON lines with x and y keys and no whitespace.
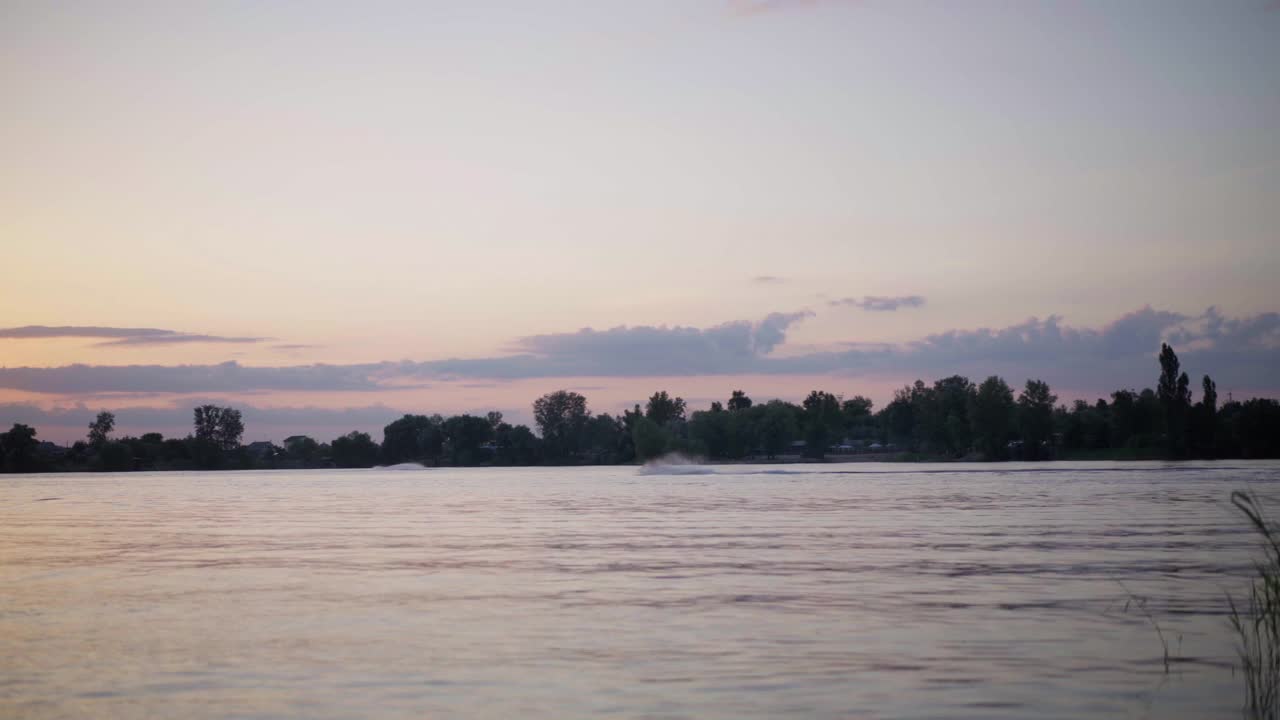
{"x":954,"y":395}
{"x":821,"y":421}
{"x":413,"y":438}
{"x":651,"y":439}
{"x":1174,"y":393}
{"x":206,"y":422}
{"x":776,"y":426}
{"x":561,"y":417}
{"x":464,"y":435}
{"x":857,"y":407}
{"x":1255,"y":427}
{"x":712,"y":430}
{"x":147,"y":451}
{"x":991,"y":418}
{"x":115,"y":457}
{"x":1035,"y":419}
{"x":354,"y":450}
{"x":739,"y":401}
{"x":517,"y":445}
{"x":897,"y":419}
{"x":221,"y":427}
{"x":1086,"y":427}
{"x":101,"y":428}
{"x":607,"y":440}
{"x":1204,"y":420}
{"x":663,"y":409}
{"x":20,"y":445}
{"x":743,"y":434}
{"x":858,"y":420}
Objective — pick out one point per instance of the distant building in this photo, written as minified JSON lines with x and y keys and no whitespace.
{"x":261,"y":450}
{"x":50,"y":450}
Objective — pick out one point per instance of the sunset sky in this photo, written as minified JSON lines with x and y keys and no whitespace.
{"x":328,"y":214}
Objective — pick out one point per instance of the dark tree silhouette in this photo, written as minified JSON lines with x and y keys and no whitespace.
{"x":650,"y":439}
{"x":775,"y":426}
{"x":220,"y":427}
{"x":354,"y":450}
{"x":1174,"y":392}
{"x":19,"y":445}
{"x":821,"y":420}
{"x":991,"y":417}
{"x":664,"y":409}
{"x":1035,"y":419}
{"x":739,"y":401}
{"x":463,"y":437}
{"x":101,"y":427}
{"x":517,"y":445}
{"x":561,"y":417}
{"x":413,"y":438}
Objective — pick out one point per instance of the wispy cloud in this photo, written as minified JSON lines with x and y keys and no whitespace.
{"x":116,"y":336}
{"x":879,"y":303}
{"x":222,"y":377}
{"x":767,"y":280}
{"x":176,"y":338}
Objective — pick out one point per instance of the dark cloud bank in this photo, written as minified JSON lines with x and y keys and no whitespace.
{"x":1239,"y":352}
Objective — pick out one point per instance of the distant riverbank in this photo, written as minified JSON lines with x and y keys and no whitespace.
{"x":954,"y":419}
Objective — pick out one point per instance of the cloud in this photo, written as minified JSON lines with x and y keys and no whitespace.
{"x":638,"y":350}
{"x":767,"y":280}
{"x":878,"y":303}
{"x":1239,"y":352}
{"x":223,"y":377}
{"x":1243,"y":351}
{"x":118,"y":336}
{"x":180,"y":338}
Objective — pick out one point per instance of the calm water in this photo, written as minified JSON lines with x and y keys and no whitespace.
{"x":867,"y":591}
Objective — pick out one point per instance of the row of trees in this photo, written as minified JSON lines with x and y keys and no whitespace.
{"x":214,"y":443}
{"x":952,"y":418}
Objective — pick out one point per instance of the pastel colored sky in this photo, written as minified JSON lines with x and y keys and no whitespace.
{"x":331,"y":213}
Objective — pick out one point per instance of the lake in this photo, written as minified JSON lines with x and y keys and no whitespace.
{"x":825,"y":591}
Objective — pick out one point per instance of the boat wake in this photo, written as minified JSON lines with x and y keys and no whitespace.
{"x":676,"y":464}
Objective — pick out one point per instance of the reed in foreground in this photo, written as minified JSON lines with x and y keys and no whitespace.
{"x":1257,"y":622}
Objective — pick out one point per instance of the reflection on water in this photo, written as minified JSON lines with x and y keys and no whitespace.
{"x":757,"y":591}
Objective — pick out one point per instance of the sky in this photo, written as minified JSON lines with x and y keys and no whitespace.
{"x":329,"y":214}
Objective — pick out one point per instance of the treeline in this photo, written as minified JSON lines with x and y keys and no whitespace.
{"x":953,"y":418}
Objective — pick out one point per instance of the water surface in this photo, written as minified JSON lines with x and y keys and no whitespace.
{"x":830,"y":591}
